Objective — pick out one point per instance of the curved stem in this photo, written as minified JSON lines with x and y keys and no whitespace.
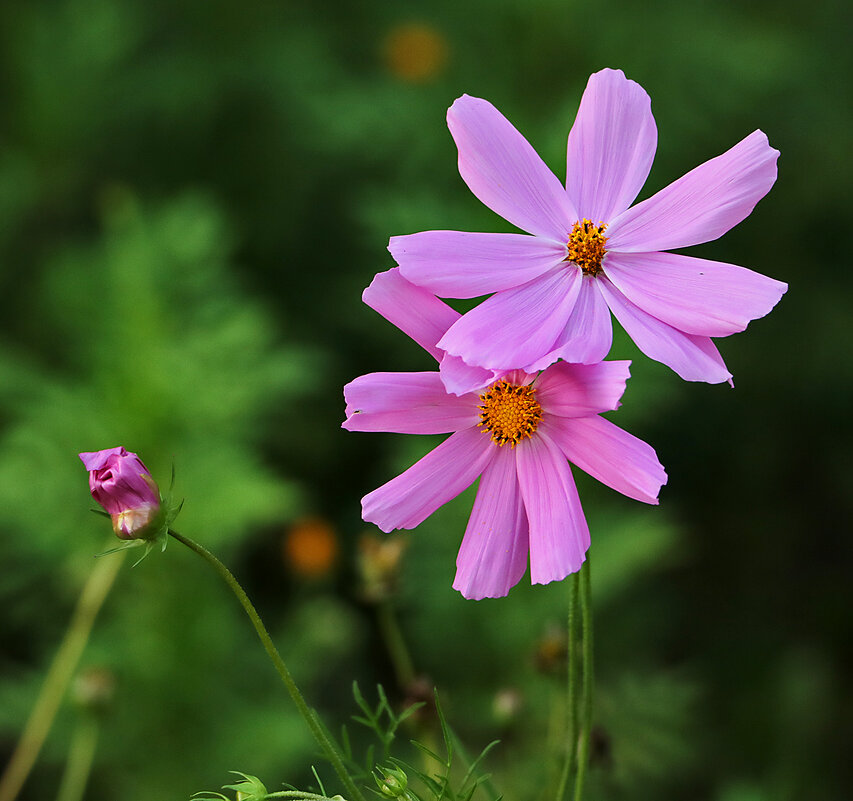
{"x":309,"y":715}
{"x":62,"y":668}
{"x":586,"y":613}
{"x":571,"y":693}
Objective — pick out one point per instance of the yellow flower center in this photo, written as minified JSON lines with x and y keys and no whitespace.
{"x":509,"y":412}
{"x":586,"y":246}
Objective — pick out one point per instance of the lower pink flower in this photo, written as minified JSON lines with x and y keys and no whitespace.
{"x":517,"y":433}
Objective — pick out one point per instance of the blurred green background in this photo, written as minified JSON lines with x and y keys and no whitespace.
{"x":193,"y":196}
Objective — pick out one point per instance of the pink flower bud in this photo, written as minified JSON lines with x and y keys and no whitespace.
{"x":121,"y":483}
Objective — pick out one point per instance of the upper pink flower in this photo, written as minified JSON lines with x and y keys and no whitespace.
{"x":122,"y":485}
{"x":517,"y":436}
{"x":589,"y":254}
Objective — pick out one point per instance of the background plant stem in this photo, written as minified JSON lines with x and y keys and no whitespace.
{"x":62,"y":668}
{"x":81,"y":754}
{"x":395,"y":644}
{"x":309,"y":715}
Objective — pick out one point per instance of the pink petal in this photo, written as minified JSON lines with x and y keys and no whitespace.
{"x":694,"y":295}
{"x":95,"y":460}
{"x":412,"y":309}
{"x":460,"y":378}
{"x":611,"y":146}
{"x":559,"y":536}
{"x":410,"y":498}
{"x":580,"y":390}
{"x":588,"y":334}
{"x":701,"y":205}
{"x":693,"y":357}
{"x":609,"y":454}
{"x":406,"y":403}
{"x":516,"y":327}
{"x":505,"y":172}
{"x":454,"y":264}
{"x":493,"y":555}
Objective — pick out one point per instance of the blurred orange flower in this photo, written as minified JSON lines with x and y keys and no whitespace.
{"x":415,"y":51}
{"x":310,"y":547}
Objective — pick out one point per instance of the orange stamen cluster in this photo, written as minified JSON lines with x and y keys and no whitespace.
{"x":509,"y":412}
{"x":586,"y":246}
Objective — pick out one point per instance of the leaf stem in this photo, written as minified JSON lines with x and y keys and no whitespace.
{"x":330,"y":749}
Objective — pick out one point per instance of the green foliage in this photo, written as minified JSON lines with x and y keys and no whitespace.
{"x":193,"y":196}
{"x":381,"y":719}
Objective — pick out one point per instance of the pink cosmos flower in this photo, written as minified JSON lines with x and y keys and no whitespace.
{"x":589,"y":254}
{"x":518,"y":436}
{"x":122,"y":485}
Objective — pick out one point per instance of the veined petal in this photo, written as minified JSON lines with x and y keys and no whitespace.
{"x":609,"y":454}
{"x":506,"y":173}
{"x":493,"y":555}
{"x":697,"y":296}
{"x":580,"y":390}
{"x":406,"y":403}
{"x":588,"y":334}
{"x":514,"y":328}
{"x":559,"y":535}
{"x":410,"y":498}
{"x":460,"y":378}
{"x":693,"y":357}
{"x":414,"y":310}
{"x":701,"y":205}
{"x":455,"y":264}
{"x":611,"y":146}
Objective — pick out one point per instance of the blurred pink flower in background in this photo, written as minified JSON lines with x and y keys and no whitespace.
{"x":122,"y":485}
{"x":518,"y":436}
{"x":589,"y":254}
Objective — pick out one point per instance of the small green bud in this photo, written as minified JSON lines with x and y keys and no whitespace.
{"x":250,"y":789}
{"x":392,"y":782}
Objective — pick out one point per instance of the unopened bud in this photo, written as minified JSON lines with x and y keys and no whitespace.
{"x":250,"y":789}
{"x":122,"y":485}
{"x":392,"y":782}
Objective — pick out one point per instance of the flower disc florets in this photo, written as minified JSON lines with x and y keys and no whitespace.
{"x":586,"y":246}
{"x":509,"y":412}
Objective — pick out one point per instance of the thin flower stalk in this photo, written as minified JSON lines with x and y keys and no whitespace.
{"x":328,"y":747}
{"x":571,"y":745}
{"x":586,"y":723}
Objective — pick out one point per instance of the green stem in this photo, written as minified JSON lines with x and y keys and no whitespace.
{"x":309,"y":715}
{"x":401,"y":660}
{"x":586,"y":726}
{"x":571,"y":693}
{"x":81,"y":754}
{"x":61,"y":670}
{"x":298,"y":794}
